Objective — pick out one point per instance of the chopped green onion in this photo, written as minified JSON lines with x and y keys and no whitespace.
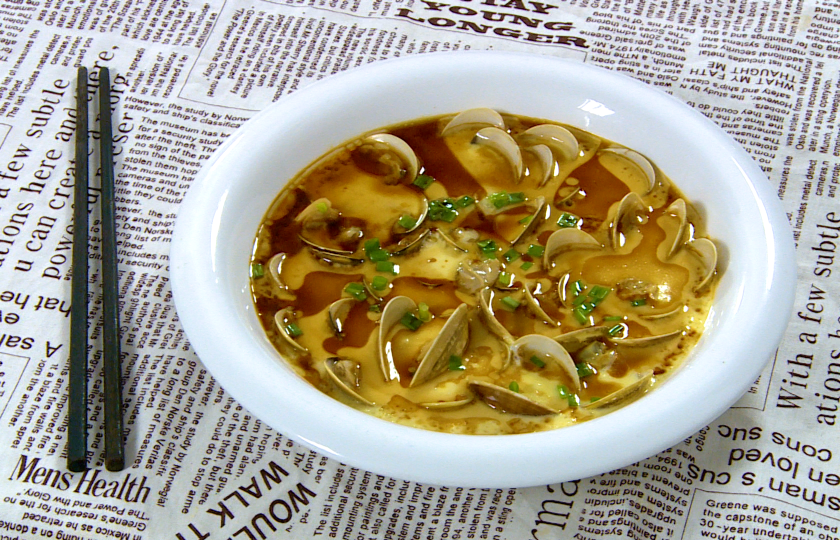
{"x":375,"y":308}
{"x":526,"y":265}
{"x":510,"y":303}
{"x":571,"y":398}
{"x":257,"y":271}
{"x":442,"y":210}
{"x":516,"y":197}
{"x":356,"y":290}
{"x":580,"y":315}
{"x":322,"y":207}
{"x":537,"y":362}
{"x":372,"y":245}
{"x":613,"y":318}
{"x":579,"y":300}
{"x":293,"y":330}
{"x":423,"y":181}
{"x":598,"y":292}
{"x":615,"y":330}
{"x":514,"y":386}
{"x":526,"y":219}
{"x":456,"y":364}
{"x":406,"y":222}
{"x":410,"y":321}
{"x":499,"y":199}
{"x":463,"y":202}
{"x":638,"y":302}
{"x":387,"y":267}
{"x":379,"y":283}
{"x":379,"y":255}
{"x":487,"y":248}
{"x":579,"y":287}
{"x":594,"y":399}
{"x":567,"y":220}
{"x":584,"y":369}
{"x":535,"y":250}
{"x":505,"y":278}
{"x":511,"y":255}
{"x":423,"y":312}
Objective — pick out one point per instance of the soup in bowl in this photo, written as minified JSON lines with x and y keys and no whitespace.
{"x":728,"y":203}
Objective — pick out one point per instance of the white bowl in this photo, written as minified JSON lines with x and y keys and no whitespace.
{"x":219,"y":218}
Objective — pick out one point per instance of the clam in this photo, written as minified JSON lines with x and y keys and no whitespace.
{"x":646,"y":341}
{"x":476,"y":275}
{"x":562,"y":289}
{"x":474,"y":118}
{"x":392,"y":155}
{"x":630,"y":392}
{"x":451,"y":240}
{"x":501,"y":141}
{"x":486,"y":311}
{"x":706,"y":251}
{"x":564,"y":240}
{"x":508,"y":401}
{"x":630,"y":212}
{"x":577,"y":339}
{"x":545,"y":158}
{"x":664,"y":314}
{"x":537,"y":217}
{"x":424,"y":211}
{"x":451,"y":340}
{"x":391,"y":316}
{"x":275,"y":270}
{"x":334,"y":257}
{"x":347,"y":375}
{"x":641,"y":162}
{"x":451,"y":404}
{"x":282,"y":320}
{"x":566,"y":192}
{"x":337,"y":314}
{"x":560,"y":140}
{"x":678,"y":210}
{"x":319,"y":213}
{"x":535,"y":307}
{"x":409,"y":243}
{"x":547,"y":350}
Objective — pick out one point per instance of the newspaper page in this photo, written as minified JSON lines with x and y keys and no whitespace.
{"x":185,"y":75}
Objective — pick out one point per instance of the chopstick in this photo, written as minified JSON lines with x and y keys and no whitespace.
{"x":77,"y":410}
{"x":114,"y":451}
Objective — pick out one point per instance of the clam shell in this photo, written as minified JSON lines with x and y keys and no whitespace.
{"x":508,"y":401}
{"x":281,"y":318}
{"x":577,"y":339}
{"x":337,"y":314}
{"x":641,"y":161}
{"x":489,"y":318}
{"x":647,"y":341}
{"x":452,"y":339}
{"x":409,"y":243}
{"x":546,"y":160}
{"x":630,"y":392}
{"x":524,"y":348}
{"x":565,"y":240}
{"x":421,"y":219}
{"x":565,"y":193}
{"x":391,"y":315}
{"x":453,"y":404}
{"x":399,"y":149}
{"x":560,"y":140}
{"x":333,"y":256}
{"x":476,"y":275}
{"x":347,"y":375}
{"x":503,"y":143}
{"x":474,"y":118}
{"x":537,"y":217}
{"x":275,"y":270}
{"x":627,"y":214}
{"x":678,"y":210}
{"x":536,"y":308}
{"x":706,"y":250}
{"x":451,"y":241}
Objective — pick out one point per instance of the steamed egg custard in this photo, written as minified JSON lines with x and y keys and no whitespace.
{"x":483,"y":273}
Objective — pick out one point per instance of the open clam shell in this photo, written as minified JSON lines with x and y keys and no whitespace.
{"x":394,"y":153}
{"x":347,"y":375}
{"x":577,"y":339}
{"x":452,"y":404}
{"x":473,"y":276}
{"x":535,"y":307}
{"x":474,"y":118}
{"x":560,"y":140}
{"x":706,"y":250}
{"x":640,"y":161}
{"x":451,"y":340}
{"x":508,"y":401}
{"x":337,"y":314}
{"x":275,"y":270}
{"x":545,"y":158}
{"x":537,"y":217}
{"x":563,"y":240}
{"x":678,"y":210}
{"x":631,"y":211}
{"x":392,"y":313}
{"x":282,"y":319}
{"x":547,"y":350}
{"x":420,"y":220}
{"x":489,"y":318}
{"x":409,"y":243}
{"x":647,"y":341}
{"x":501,"y":141}
{"x":630,"y":392}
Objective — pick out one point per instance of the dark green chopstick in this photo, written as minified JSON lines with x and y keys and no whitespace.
{"x":114,"y":451}
{"x":77,"y":410}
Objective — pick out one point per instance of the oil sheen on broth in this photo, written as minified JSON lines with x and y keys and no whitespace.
{"x":482,"y":273}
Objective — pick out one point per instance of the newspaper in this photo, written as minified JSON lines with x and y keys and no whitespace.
{"x":186,"y":74}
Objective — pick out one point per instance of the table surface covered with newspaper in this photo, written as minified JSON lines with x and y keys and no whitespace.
{"x":186,"y":74}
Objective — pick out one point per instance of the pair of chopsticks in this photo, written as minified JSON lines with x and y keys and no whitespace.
{"x":77,"y":411}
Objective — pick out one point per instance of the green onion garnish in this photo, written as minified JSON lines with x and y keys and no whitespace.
{"x":379,"y":283}
{"x":322,"y":207}
{"x":499,"y":199}
{"x":511,"y":255}
{"x":379,"y":255}
{"x":505,"y":278}
{"x":599,"y":293}
{"x":406,"y":222}
{"x":375,"y":308}
{"x":487,"y":248}
{"x":571,"y":399}
{"x":514,"y":386}
{"x":526,"y":265}
{"x":584,"y":369}
{"x":567,"y":220}
{"x":423,"y":181}
{"x":516,"y":197}
{"x":410,"y":321}
{"x":510,"y":303}
{"x":526,"y":219}
{"x":594,"y":399}
{"x":535,"y":250}
{"x":387,"y":267}
{"x":356,"y":290}
{"x":372,"y":245}
{"x":455,"y":363}
{"x":578,"y":287}
{"x":423,"y":312}
{"x":442,"y":210}
{"x":638,"y":302}
{"x":293,"y":330}
{"x":610,"y":318}
{"x":580,"y":315}
{"x":537,"y":362}
{"x":616,"y":330}
{"x":257,"y":271}
{"x":463,"y":202}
